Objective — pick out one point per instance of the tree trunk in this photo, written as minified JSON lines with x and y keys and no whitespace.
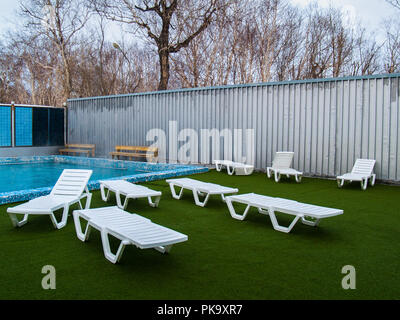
{"x":164,"y":69}
{"x":67,"y":77}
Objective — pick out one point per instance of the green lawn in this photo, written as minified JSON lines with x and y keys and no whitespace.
{"x":224,"y":258}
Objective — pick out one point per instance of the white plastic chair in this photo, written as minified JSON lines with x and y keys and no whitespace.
{"x":129,"y":190}
{"x":281,"y":165}
{"x":130,"y":229}
{"x":307,"y":213}
{"x":70,"y":188}
{"x":234,"y":167}
{"x":362,"y":171}
{"x":199,"y":188}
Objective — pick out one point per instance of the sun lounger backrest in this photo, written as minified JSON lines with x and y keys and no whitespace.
{"x":363,"y":166}
{"x":282,"y":160}
{"x":72,"y":182}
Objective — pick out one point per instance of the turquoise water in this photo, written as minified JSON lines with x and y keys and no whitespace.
{"x":15,"y":177}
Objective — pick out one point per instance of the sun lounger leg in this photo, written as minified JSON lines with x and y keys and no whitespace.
{"x":372,"y":179}
{"x":88,"y":197}
{"x":248,"y":171}
{"x":197,"y":200}
{"x":78,"y":228}
{"x":276,"y":225}
{"x":88,"y":200}
{"x":231,"y":170}
{"x":268,"y":173}
{"x":64,"y":218}
{"x":163,"y":249}
{"x":233,"y":212}
{"x":364,"y":183}
{"x":114,"y":258}
{"x":223,"y":197}
{"x":298,"y":177}
{"x":119,"y":202}
{"x":156,"y":201}
{"x":340,"y":182}
{"x":15,"y":221}
{"x":105,"y":197}
{"x":277,"y":176}
{"x":218,"y":167}
{"x":173,"y":192}
{"x":307,"y":222}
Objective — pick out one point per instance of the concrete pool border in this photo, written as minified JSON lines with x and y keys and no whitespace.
{"x":157,"y":171}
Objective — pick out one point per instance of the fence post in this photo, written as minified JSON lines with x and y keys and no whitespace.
{"x":65,"y":123}
{"x":12,"y":124}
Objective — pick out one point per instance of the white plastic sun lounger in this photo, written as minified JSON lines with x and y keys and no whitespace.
{"x":70,"y":188}
{"x":131,"y":229}
{"x":129,"y":191}
{"x":199,"y":188}
{"x":281,"y":165}
{"x":234,"y":167}
{"x":362,"y":171}
{"x":270,"y":205}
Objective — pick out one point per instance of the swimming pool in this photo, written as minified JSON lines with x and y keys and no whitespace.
{"x":25,"y":178}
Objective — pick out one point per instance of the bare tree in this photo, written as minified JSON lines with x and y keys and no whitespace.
{"x":290,"y":39}
{"x":59,"y":21}
{"x":9,"y":71}
{"x":224,"y":53}
{"x":180,"y":43}
{"x":341,"y":42}
{"x":101,"y":67}
{"x":162,"y":22}
{"x":391,"y":55}
{"x":365,"y":56}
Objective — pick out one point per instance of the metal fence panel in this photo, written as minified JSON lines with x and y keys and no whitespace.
{"x":328,"y":123}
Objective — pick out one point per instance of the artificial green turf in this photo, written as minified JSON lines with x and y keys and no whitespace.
{"x":224,"y":258}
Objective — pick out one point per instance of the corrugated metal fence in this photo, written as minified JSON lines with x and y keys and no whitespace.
{"x":328,"y":123}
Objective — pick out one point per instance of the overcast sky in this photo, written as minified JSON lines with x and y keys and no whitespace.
{"x":7,"y":13}
{"x":369,"y":12}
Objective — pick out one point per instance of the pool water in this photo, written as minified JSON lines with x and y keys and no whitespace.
{"x":15,"y":177}
{"x":25,"y":178}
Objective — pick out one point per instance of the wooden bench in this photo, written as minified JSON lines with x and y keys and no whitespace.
{"x":78,"y":148}
{"x":135,"y":151}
